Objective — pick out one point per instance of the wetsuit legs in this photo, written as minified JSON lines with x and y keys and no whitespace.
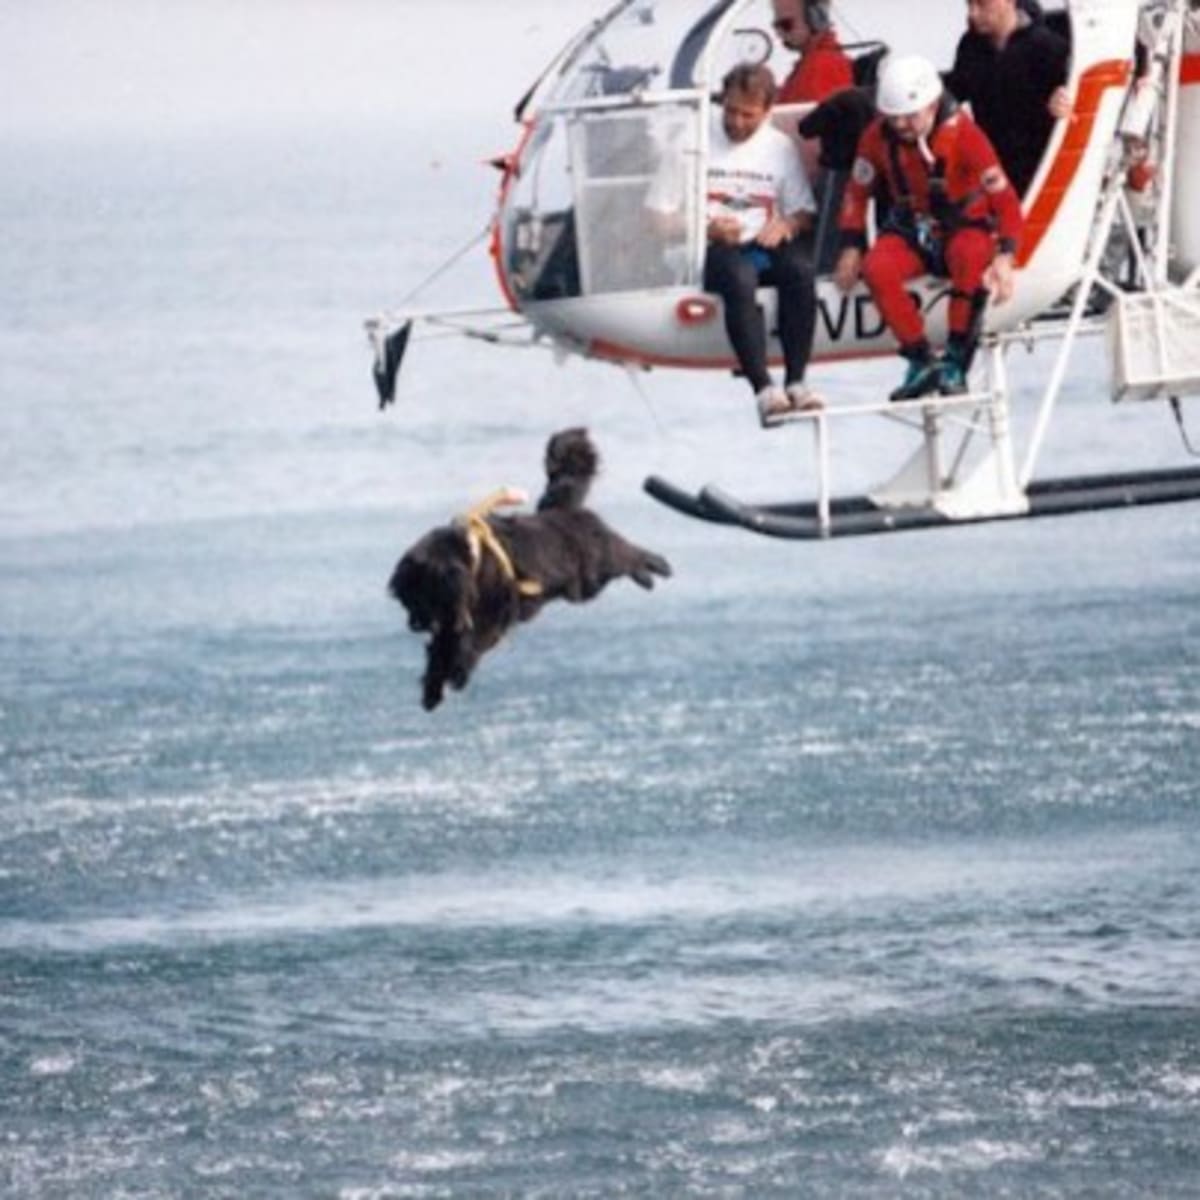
{"x":732,"y":276}
{"x":791,"y":274}
{"x":732,"y":273}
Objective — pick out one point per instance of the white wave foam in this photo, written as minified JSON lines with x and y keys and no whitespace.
{"x":53,"y":1065}
{"x":825,"y":882}
{"x":979,"y":1154}
{"x":432,"y":1162}
{"x":1181,"y":1083}
{"x":690,"y":1081}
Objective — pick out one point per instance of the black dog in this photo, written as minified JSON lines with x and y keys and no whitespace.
{"x":468,"y":583}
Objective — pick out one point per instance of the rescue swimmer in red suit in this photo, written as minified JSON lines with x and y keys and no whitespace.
{"x":954,"y":214}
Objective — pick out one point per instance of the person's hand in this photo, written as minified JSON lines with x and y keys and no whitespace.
{"x":724,"y":230}
{"x":999,"y":279}
{"x":774,"y":233}
{"x":847,"y":268}
{"x":1059,"y":105}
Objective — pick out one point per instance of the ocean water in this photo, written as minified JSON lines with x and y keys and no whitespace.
{"x":868,"y":869}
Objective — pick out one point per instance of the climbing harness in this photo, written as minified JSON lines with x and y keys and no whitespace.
{"x":482,"y":538}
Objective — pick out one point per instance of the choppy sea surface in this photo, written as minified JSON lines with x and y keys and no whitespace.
{"x":868,"y":869}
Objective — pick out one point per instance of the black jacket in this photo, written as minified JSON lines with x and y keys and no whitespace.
{"x":1008,"y":91}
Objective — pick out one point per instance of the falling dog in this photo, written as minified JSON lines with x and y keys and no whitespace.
{"x":469,"y":582}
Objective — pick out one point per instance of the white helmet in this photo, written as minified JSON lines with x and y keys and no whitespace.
{"x":907,"y":84}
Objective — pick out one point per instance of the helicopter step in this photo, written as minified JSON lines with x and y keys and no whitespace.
{"x":963,"y":467}
{"x":859,"y":515}
{"x":894,"y":408}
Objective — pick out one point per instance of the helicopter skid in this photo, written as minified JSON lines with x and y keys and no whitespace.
{"x":858,"y":515}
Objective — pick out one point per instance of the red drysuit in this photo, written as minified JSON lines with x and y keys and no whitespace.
{"x":952,"y":209}
{"x":823,"y":68}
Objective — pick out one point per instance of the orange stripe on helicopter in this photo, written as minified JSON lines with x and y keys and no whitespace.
{"x":607,"y":351}
{"x":512,"y":170}
{"x":1093,"y":83}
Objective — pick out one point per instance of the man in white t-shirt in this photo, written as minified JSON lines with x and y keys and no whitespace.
{"x":759,"y":202}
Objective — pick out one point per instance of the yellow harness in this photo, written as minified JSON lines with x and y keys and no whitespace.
{"x":482,"y":537}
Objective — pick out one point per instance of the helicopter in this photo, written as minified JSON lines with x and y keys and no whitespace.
{"x":580,"y":267}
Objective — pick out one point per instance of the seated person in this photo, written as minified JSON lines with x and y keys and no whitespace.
{"x":1011,"y":68}
{"x":759,"y":201}
{"x":954,"y":214}
{"x":822,"y":70}
{"x":823,"y":66}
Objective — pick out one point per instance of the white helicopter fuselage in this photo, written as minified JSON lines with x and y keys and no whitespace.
{"x":576,"y":257}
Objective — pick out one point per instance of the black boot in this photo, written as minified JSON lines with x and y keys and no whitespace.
{"x":922,"y":376}
{"x":953,"y":368}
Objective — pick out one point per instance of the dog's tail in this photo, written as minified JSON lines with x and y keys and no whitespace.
{"x":572,"y":462}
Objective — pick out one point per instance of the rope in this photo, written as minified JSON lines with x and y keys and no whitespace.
{"x":453,"y":260}
{"x":631,"y":373}
{"x":482,"y":537}
{"x":1177,"y":409}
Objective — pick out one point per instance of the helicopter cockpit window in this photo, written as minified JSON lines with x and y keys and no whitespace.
{"x":628,"y":55}
{"x":542,"y":259}
{"x":576,"y":222}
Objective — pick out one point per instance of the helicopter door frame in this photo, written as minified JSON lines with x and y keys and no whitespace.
{"x":694,"y":108}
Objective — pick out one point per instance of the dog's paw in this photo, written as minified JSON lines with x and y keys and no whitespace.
{"x":431,"y":694}
{"x":649,"y":566}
